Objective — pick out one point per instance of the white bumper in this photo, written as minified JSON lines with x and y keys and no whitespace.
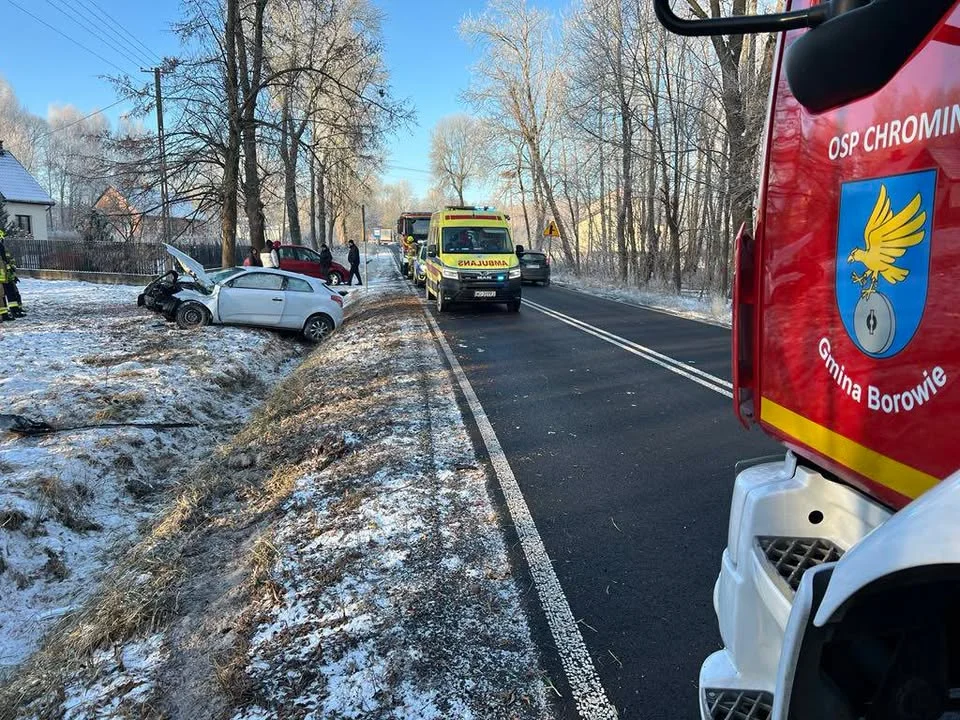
{"x":752,"y":600}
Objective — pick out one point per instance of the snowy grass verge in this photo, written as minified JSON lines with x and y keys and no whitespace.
{"x":709,"y":308}
{"x":339,"y":558}
{"x":87,"y":355}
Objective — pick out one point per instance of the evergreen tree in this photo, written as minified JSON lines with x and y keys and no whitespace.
{"x":4,"y":217}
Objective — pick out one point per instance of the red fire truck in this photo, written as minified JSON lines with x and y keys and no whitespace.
{"x":839,"y":589}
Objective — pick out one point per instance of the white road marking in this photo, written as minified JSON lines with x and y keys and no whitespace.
{"x":588,"y":693}
{"x":718,"y":385}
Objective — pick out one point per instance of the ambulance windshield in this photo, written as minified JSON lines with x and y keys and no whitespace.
{"x":476,"y":240}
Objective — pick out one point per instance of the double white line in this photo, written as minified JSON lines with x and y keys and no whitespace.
{"x":718,"y":385}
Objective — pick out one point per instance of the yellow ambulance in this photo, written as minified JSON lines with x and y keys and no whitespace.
{"x":471,"y":258}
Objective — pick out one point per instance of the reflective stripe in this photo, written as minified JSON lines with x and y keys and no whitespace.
{"x":906,"y":480}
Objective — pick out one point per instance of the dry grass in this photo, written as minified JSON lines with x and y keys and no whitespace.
{"x":122,"y":406}
{"x":63,"y":502}
{"x":238,"y":489}
{"x":229,"y":492}
{"x":6,"y":468}
{"x":12,"y":519}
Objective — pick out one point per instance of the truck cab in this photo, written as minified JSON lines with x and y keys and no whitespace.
{"x":839,"y":588}
{"x":471,"y":258}
{"x":412,"y":230}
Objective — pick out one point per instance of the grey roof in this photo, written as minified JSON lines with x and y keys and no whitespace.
{"x":17,"y":185}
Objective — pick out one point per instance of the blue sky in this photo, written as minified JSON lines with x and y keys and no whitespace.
{"x":428,"y":61}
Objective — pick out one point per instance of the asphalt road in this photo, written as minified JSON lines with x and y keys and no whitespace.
{"x":627,"y":469}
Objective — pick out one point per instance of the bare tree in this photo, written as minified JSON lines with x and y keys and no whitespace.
{"x":457,"y":152}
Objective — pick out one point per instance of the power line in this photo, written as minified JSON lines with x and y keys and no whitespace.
{"x":94,"y":9}
{"x":80,"y":120}
{"x":63,"y":34}
{"x":85,"y":24}
{"x":110,"y":19}
{"x":407,"y":169}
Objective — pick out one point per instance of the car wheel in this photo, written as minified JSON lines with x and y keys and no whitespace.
{"x":317,"y":327}
{"x":441,"y":305}
{"x":546,"y":283}
{"x":334,"y":278}
{"x":513,"y":306}
{"x":191,"y":315}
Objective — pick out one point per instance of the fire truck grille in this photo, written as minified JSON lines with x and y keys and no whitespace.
{"x":792,"y":557}
{"x":739,"y":704}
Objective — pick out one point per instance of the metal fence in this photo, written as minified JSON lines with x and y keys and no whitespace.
{"x":107,"y":257}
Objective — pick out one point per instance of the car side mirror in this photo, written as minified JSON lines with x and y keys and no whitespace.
{"x":432,"y":251}
{"x":520,"y":250}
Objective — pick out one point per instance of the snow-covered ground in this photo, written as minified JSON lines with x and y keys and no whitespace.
{"x":351,"y":565}
{"x":87,"y":355}
{"x":709,"y":308}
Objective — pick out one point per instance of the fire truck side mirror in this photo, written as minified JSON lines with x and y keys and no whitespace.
{"x":744,"y":24}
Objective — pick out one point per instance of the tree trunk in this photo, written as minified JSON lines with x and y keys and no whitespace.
{"x":289,"y":146}
{"x":231,"y":170}
{"x":251,"y":69}
{"x":313,"y":203}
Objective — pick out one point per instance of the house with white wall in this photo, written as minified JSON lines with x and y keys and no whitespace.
{"x":27,"y":203}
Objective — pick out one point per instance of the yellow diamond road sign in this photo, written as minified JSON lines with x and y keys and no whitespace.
{"x":552,"y":230}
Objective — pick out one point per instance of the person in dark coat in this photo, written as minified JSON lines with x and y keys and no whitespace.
{"x":253,"y":259}
{"x":353,"y":257}
{"x":326,"y":258}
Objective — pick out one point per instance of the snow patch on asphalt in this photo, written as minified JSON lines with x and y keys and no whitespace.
{"x":709,"y":308}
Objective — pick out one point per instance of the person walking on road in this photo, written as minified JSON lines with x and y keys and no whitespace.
{"x":326,"y":259}
{"x":353,"y":258}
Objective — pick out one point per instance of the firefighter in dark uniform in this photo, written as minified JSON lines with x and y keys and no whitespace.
{"x":9,"y":279}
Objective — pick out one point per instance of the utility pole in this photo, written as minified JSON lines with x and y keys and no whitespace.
{"x":363,"y":225}
{"x":164,"y":194}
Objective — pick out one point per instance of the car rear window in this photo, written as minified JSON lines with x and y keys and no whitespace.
{"x":531,"y":257}
{"x":298,"y":285}
{"x":258,"y":281}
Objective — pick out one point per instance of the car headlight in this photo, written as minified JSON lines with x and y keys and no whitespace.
{"x":450,"y":273}
{"x":514,"y":273}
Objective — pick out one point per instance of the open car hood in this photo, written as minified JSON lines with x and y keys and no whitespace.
{"x":190,"y":267}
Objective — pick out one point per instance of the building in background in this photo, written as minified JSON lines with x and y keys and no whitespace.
{"x":135,"y":216}
{"x":25,"y":201}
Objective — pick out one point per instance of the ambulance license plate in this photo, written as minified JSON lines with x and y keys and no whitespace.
{"x":484,"y":293}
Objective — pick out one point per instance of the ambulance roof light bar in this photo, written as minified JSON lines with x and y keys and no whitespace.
{"x":485,"y":208}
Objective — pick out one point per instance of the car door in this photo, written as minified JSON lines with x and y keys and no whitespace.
{"x":309,"y":262}
{"x":289,"y":260}
{"x":300,"y":302}
{"x":253,"y":298}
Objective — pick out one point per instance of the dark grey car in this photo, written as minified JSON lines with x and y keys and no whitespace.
{"x":535,"y":268}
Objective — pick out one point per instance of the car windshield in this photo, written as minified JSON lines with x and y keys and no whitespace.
{"x":221,"y":275}
{"x":476,"y":240}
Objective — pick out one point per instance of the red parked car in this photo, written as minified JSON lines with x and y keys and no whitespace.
{"x":305,"y":261}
